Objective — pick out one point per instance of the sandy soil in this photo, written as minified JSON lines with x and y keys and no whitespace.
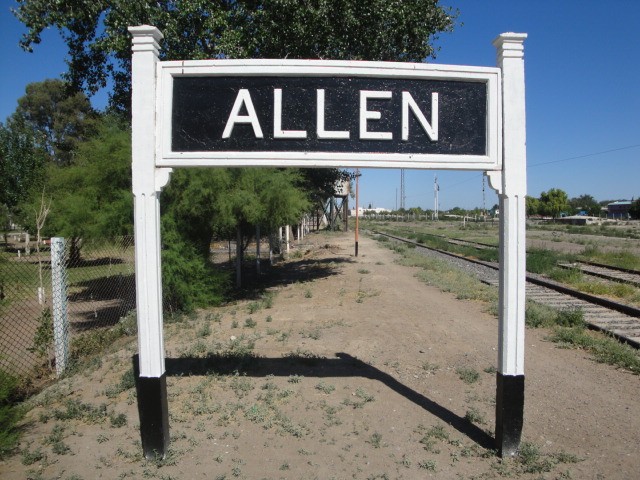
{"x":357,"y":373}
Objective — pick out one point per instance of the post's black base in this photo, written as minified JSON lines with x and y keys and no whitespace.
{"x":154,"y":413}
{"x":509,"y":413}
{"x":356,"y":249}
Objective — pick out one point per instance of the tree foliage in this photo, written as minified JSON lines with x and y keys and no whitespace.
{"x":91,"y":198}
{"x":21,"y":163}
{"x":585,"y":203}
{"x":199,"y":204}
{"x":532,"y":205}
{"x":554,"y":202}
{"x":62,"y":118}
{"x":99,"y":45}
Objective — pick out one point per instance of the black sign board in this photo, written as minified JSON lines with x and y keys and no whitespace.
{"x":358,"y":115}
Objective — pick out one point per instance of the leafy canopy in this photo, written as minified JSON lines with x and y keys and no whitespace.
{"x":59,"y":117}
{"x":99,"y":47}
{"x":554,"y":202}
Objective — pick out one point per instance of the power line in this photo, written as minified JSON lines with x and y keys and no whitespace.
{"x":585,"y":155}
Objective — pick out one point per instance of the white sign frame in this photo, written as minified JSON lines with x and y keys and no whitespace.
{"x":167,"y":71}
{"x":152,"y":163}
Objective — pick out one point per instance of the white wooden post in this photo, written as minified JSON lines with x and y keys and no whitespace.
{"x":287,"y":230}
{"x":512,"y":191}
{"x":258,"y":249}
{"x":147,"y":181}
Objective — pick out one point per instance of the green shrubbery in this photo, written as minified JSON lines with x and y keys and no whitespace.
{"x":10,"y":413}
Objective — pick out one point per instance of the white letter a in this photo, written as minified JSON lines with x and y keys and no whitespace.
{"x":243,"y":98}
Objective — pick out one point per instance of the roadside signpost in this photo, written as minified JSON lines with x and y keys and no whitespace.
{"x":341,"y":114}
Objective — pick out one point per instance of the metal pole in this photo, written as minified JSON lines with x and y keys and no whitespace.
{"x":59,"y":303}
{"x":357,"y":205}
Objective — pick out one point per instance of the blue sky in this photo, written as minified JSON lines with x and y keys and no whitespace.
{"x":582,"y":62}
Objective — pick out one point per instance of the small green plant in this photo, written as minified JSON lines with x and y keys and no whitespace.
{"x":295,"y":378}
{"x":363,"y":271}
{"x":267,"y":299}
{"x":250,"y":323}
{"x":362,"y":396}
{"x":430,"y":368}
{"x":429,"y":465}
{"x":431,"y":436}
{"x":468,"y":375}
{"x":375,"y":440}
{"x":308,"y":293}
{"x":118,"y":421}
{"x":234,"y":324}
{"x":126,"y":382}
{"x":325,"y":387}
{"x":29,"y":457}
{"x":55,"y":439}
{"x":253,"y":307}
{"x":204,"y":330}
{"x":269,"y":319}
{"x":43,"y":337}
{"x":473,"y":415}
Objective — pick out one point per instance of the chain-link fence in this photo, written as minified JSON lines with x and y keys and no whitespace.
{"x":52,"y":293}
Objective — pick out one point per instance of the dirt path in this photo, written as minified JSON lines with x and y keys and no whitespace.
{"x":348,"y":368}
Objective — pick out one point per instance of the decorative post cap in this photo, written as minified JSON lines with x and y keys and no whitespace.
{"x":510,"y":44}
{"x":145,"y":36}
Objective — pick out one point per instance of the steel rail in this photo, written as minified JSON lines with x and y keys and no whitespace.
{"x":612,"y":326}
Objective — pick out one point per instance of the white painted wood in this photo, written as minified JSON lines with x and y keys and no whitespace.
{"x":512,"y":205}
{"x":167,"y":71}
{"x":147,"y":182}
{"x":287,"y":231}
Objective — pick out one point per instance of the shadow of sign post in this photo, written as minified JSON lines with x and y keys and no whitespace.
{"x":340,"y":114}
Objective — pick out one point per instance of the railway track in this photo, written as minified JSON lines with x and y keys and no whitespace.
{"x":614,"y":274}
{"x":620,"y":320}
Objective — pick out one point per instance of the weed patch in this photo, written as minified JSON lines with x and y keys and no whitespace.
{"x":468,"y":375}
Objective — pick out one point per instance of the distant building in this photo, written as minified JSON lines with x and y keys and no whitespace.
{"x":619,"y":209}
{"x":367,"y":211}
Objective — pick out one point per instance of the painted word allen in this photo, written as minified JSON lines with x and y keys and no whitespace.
{"x":243,"y":102}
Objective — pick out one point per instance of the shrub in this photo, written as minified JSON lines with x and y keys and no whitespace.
{"x":10,"y":413}
{"x":188,"y":279}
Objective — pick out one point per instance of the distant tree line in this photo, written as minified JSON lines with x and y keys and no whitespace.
{"x":555,"y":203}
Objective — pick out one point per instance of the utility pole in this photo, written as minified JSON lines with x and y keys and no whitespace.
{"x":436,"y":189}
{"x":403,"y":196}
{"x":484,"y":202}
{"x":357,"y":205}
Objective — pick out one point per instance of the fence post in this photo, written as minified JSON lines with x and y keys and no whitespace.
{"x":59,"y":303}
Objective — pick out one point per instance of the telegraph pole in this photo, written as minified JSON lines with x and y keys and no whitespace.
{"x":357,"y":205}
{"x":403,"y":196}
{"x":436,"y":189}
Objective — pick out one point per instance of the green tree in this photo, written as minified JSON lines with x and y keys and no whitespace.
{"x":532,"y":205}
{"x":554,"y":202}
{"x":60,"y":117}
{"x":99,"y":45}
{"x":585,"y":203}
{"x":91,"y":198}
{"x":21,"y":165}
